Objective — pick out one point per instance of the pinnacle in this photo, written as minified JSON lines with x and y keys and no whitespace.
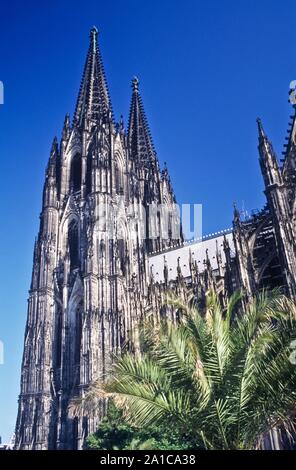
{"x":261,"y":132}
{"x":259,"y":123}
{"x":138,"y":129}
{"x":236,"y":211}
{"x":54,"y":145}
{"x":93,"y":100}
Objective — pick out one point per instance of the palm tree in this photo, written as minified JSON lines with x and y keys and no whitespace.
{"x":222,"y":377}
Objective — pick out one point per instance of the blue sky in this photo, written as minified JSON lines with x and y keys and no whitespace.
{"x":206,"y":69}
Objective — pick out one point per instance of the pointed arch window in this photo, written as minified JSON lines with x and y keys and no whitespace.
{"x":88,"y":174}
{"x":75,"y":174}
{"x":58,"y":350}
{"x":73,"y":241}
{"x":272,"y":275}
{"x":118,"y":178}
{"x":122,"y":254}
{"x":78,"y":332}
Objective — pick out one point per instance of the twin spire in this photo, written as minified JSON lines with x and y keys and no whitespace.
{"x":93,"y":100}
{"x":94,"y":104}
{"x":139,"y":136}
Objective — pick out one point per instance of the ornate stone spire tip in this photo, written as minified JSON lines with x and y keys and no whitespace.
{"x":67,"y":119}
{"x":94,"y":32}
{"x":93,"y":37}
{"x":135,"y":83}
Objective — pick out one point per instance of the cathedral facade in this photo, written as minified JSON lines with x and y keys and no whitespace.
{"x":104,"y":255}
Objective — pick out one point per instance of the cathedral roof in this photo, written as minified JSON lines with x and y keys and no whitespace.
{"x":199,"y":250}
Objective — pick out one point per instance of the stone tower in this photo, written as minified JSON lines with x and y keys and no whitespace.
{"x":265,"y":242}
{"x":90,"y":268}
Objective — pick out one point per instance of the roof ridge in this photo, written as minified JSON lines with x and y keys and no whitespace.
{"x":191,"y":242}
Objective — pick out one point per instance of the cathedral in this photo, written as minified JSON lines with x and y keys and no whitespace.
{"x":110,"y":246}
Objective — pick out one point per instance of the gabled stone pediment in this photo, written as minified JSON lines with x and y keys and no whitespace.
{"x":74,"y":143}
{"x":71,"y":208}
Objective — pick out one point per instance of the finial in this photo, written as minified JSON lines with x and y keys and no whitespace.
{"x":67,"y":121}
{"x":93,"y":37}
{"x":165,"y":172}
{"x":66,"y":126}
{"x":135,"y":84}
{"x":54,"y":145}
{"x":236,"y":212}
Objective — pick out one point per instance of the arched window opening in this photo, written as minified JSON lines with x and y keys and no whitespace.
{"x":170,"y":225}
{"x":78,"y":332}
{"x":59,"y":340}
{"x":122,"y":255}
{"x":118,"y":179}
{"x":73,"y":244}
{"x":265,"y":259}
{"x":75,"y":179}
{"x":88,"y":174}
{"x":272,"y":276}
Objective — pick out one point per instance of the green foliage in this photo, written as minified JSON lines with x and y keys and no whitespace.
{"x":115,"y":433}
{"x":223,"y":378}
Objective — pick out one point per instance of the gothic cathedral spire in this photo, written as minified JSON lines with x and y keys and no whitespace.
{"x":268,"y":160}
{"x":139,"y":138}
{"x":93,"y":100}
